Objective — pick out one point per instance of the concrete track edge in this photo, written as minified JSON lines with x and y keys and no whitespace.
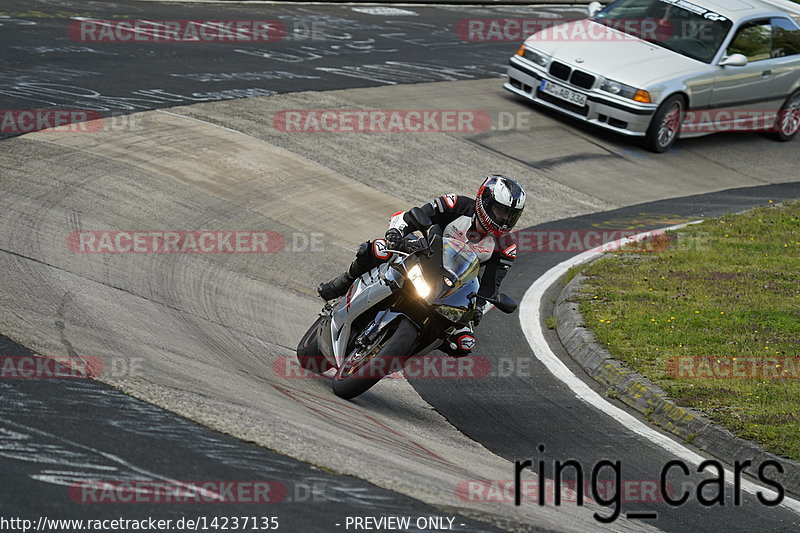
{"x":651,"y":401}
{"x":632,"y":388}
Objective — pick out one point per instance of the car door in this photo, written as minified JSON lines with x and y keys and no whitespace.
{"x":754,"y":87}
{"x":785,"y":55}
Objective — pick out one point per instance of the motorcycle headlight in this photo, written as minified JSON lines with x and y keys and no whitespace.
{"x":416,"y":277}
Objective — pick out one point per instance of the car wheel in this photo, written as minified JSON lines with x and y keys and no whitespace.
{"x":788,"y":122}
{"x":666,"y":125}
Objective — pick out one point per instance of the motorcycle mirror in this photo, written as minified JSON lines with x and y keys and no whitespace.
{"x":594,"y":8}
{"x":504,"y":303}
{"x":418,"y":219}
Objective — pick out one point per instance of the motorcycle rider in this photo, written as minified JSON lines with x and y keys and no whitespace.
{"x":482,"y":222}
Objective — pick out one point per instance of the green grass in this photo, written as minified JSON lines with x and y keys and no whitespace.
{"x":571,"y":273}
{"x":727,"y":288}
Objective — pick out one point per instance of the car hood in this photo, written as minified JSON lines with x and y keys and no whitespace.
{"x":621,"y":57}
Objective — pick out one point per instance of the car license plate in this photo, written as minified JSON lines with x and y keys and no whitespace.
{"x":564,"y":93}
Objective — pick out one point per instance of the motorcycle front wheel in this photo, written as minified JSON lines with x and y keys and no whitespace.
{"x":308,"y":353}
{"x":364,"y":367}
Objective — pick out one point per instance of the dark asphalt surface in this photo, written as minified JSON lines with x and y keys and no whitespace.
{"x":55,"y":433}
{"x":537,"y":409}
{"x":61,"y":431}
{"x":58,"y":433}
{"x":45,"y":65}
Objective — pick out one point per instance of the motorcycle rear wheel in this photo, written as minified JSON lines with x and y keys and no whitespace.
{"x":360,"y":371}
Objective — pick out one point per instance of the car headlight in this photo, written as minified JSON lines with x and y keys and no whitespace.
{"x":533,"y":55}
{"x":626,"y":91}
{"x":416,"y":277}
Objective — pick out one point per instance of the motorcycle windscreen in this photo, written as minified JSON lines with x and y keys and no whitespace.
{"x":461,"y":297}
{"x":461,"y":267}
{"x":460,"y":261}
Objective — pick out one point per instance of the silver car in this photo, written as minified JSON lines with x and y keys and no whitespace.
{"x":663,"y":69}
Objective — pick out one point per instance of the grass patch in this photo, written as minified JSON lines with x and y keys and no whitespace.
{"x":570,"y":275}
{"x":713,"y":319}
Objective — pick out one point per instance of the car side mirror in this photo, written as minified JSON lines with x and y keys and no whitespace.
{"x":418,"y":220}
{"x":734,"y":60}
{"x":595,"y":8}
{"x":504,"y":303}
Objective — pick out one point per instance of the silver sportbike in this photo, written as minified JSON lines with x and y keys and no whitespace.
{"x":400,"y":309}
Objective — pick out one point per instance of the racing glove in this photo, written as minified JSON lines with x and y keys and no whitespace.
{"x":394,"y":239}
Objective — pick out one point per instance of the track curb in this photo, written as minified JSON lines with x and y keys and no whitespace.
{"x":644,"y":396}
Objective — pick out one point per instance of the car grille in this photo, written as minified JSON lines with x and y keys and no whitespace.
{"x":582,"y":79}
{"x":560,"y":70}
{"x":576,"y":77}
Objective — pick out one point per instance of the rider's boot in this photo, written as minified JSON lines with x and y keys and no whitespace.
{"x":338,"y":286}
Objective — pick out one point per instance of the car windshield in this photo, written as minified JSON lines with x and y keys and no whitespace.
{"x":459,"y":259}
{"x":676,"y":25}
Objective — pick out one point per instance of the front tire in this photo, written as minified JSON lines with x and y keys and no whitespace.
{"x":308,"y":351}
{"x":666,"y":125}
{"x":788,"y":122}
{"x":360,"y":371}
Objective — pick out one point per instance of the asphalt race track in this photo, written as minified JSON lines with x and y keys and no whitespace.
{"x":196,"y":347}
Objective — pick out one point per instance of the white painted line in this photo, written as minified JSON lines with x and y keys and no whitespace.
{"x":55,"y":479}
{"x":531,"y":323}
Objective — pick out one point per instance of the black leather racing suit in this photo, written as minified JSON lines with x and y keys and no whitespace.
{"x":448,"y":212}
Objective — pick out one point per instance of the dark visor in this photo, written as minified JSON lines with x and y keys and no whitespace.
{"x":504,"y":215}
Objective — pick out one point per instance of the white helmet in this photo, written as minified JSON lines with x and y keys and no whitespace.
{"x":499,"y":204}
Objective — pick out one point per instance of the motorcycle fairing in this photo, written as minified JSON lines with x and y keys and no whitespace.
{"x":366,"y":291}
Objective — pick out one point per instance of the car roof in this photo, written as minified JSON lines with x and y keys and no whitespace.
{"x":736,"y":10}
